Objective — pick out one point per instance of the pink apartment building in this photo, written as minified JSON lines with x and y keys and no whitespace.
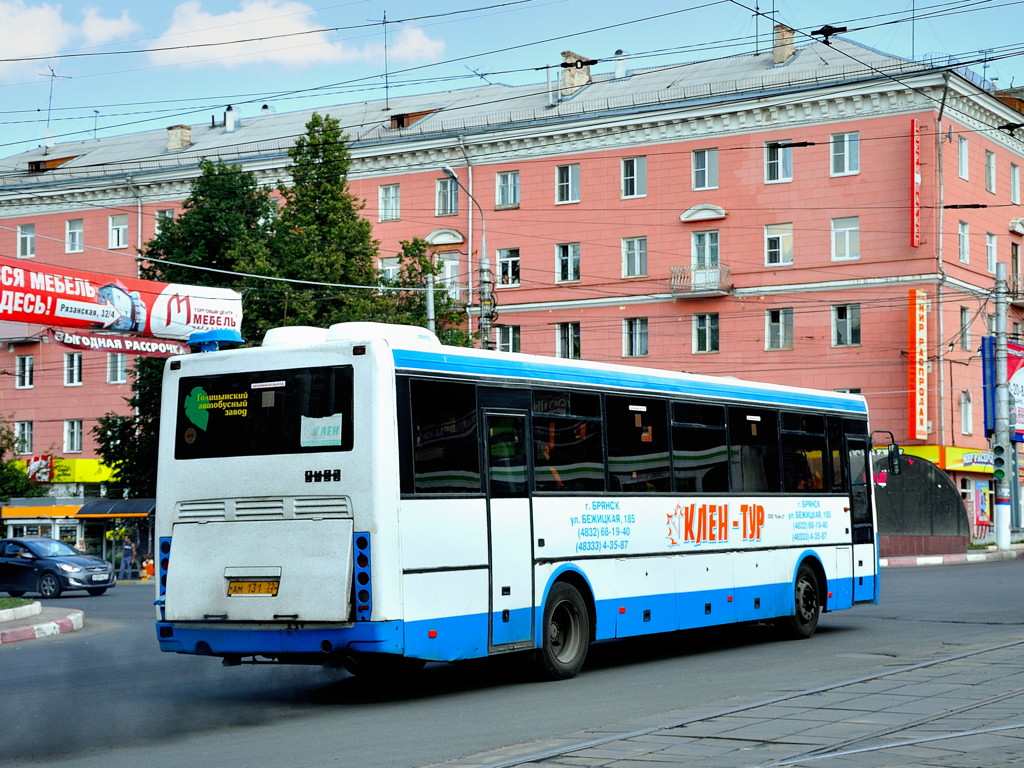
{"x":822,"y":215}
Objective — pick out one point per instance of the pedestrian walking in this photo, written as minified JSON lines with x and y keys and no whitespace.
{"x":127,"y":558}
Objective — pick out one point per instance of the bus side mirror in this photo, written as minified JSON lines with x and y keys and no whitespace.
{"x":894,"y":459}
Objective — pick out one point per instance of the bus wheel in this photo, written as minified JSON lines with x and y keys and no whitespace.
{"x":807,"y":606}
{"x":566,"y":633}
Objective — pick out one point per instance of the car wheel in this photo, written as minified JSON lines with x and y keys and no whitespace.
{"x":15,"y":592}
{"x":96,"y":592}
{"x":49,"y":585}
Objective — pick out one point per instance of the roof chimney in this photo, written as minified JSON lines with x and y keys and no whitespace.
{"x":621,"y":59}
{"x":232,"y":120}
{"x":575,"y":72}
{"x":783,"y":49}
{"x":178,"y":137}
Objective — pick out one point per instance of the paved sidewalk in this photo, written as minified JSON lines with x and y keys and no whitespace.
{"x":977,"y":556}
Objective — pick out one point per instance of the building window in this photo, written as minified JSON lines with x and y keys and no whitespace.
{"x":846,"y":238}
{"x":634,"y":177}
{"x":634,"y":256}
{"x":705,"y":333}
{"x":74,"y":236}
{"x":990,"y":171}
{"x":966,"y":413}
{"x":779,"y":328}
{"x":567,"y":183}
{"x":23,"y":372}
{"x":163,"y":217}
{"x":73,"y":436}
{"x":389,"y":268}
{"x":704,"y":249}
{"x":26,"y":241}
{"x":72,"y":369}
{"x":388,"y":202}
{"x":117,"y":368}
{"x":568,"y":341}
{"x":118,"y":234}
{"x":1014,"y":184}
{"x":634,"y":337}
{"x":23,"y":437}
{"x":778,"y":244}
{"x":965,"y":328}
{"x":447,"y":197}
{"x":449,"y":275}
{"x":961,"y":157}
{"x":778,"y":162}
{"x":846,"y":325}
{"x":705,"y":168}
{"x":508,"y":338}
{"x":508,"y":266}
{"x":507,"y":190}
{"x":991,"y":245}
{"x":963,"y":242}
{"x":567,"y":261}
{"x":845,"y":154}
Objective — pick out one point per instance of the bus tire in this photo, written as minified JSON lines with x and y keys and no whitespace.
{"x":565,"y":633}
{"x":806,"y":604}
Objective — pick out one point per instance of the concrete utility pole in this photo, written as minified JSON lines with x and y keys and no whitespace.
{"x":1002,"y":466}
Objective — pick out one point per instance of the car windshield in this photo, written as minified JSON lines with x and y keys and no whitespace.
{"x":50,"y":548}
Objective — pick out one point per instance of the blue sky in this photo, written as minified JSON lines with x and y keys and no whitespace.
{"x":107,"y":67}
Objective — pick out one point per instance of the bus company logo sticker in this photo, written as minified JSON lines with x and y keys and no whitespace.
{"x":194,"y":410}
{"x":698,"y":524}
{"x":323,"y":432}
{"x":199,"y":403}
{"x":323,"y":475}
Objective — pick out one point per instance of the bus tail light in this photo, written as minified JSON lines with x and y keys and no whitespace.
{"x":361,"y":584}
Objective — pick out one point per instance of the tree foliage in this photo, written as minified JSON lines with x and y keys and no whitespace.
{"x":14,"y":482}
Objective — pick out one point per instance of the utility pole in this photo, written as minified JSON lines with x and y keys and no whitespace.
{"x":1002,"y":465}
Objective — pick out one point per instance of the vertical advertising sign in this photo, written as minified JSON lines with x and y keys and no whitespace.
{"x":917,"y":379}
{"x":915,"y":183}
{"x":1015,"y":375}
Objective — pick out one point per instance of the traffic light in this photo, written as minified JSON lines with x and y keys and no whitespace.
{"x":999,"y":457}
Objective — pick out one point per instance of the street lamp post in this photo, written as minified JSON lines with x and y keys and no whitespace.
{"x":486,"y":281}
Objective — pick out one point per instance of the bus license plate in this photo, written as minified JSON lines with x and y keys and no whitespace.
{"x":266,"y":588}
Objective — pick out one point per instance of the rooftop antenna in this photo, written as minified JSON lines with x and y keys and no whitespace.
{"x":53,"y":76}
{"x":387,"y":86}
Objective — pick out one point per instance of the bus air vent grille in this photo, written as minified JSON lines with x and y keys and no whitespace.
{"x":206,"y":509}
{"x":259,"y":509}
{"x":327,"y":506}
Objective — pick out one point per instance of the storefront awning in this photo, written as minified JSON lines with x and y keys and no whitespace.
{"x":117,"y":508}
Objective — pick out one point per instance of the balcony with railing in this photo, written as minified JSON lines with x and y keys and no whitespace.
{"x":693,"y":282}
{"x":1015,"y":287}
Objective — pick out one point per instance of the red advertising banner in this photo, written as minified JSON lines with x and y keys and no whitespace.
{"x":40,"y":293}
{"x":136,"y":346}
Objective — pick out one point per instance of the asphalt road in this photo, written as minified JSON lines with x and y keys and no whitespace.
{"x":106,"y":696}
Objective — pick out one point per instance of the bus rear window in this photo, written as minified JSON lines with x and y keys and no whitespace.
{"x":264,"y":413}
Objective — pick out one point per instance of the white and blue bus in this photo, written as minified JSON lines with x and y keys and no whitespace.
{"x":364,"y":496}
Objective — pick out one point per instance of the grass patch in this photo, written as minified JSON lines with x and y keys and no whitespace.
{"x":13,"y":602}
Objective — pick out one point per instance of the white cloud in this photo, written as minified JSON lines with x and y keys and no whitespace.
{"x":29,"y":31}
{"x":193,"y":34}
{"x":98,"y":30}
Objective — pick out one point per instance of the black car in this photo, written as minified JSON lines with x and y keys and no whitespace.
{"x":49,"y":567}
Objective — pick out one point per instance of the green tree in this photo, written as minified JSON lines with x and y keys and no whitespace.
{"x":13,"y":479}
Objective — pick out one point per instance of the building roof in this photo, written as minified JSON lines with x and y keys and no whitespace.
{"x":265,"y":134}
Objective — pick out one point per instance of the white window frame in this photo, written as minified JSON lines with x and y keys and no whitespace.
{"x":966,"y":413}
{"x":506,"y":189}
{"x":778,"y":333}
{"x":74,"y":235}
{"x":24,"y":372}
{"x":117,"y":228}
{"x":704,"y":166}
{"x":965,"y":328}
{"x":846,"y":325}
{"x":991,"y":252}
{"x":509,"y":338}
{"x":1014,"y":183}
{"x":26,"y":241}
{"x":567,"y":341}
{"x":846,"y":238}
{"x":117,"y":368}
{"x":567,"y":263}
{"x":845,"y":154}
{"x":778,"y":245}
{"x":962,"y":157}
{"x":634,"y":257}
{"x":706,"y":333}
{"x":634,"y":177}
{"x":72,"y":369}
{"x":161,"y":218}
{"x":389,"y":202}
{"x":778,"y":162}
{"x":23,"y":437}
{"x":963,"y":240}
{"x":508,"y":267}
{"x":446,"y":197}
{"x":567,"y":183}
{"x":990,"y":171}
{"x":450,"y":273}
{"x":73,"y":435}
{"x":389,"y":267}
{"x":634,"y":337}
